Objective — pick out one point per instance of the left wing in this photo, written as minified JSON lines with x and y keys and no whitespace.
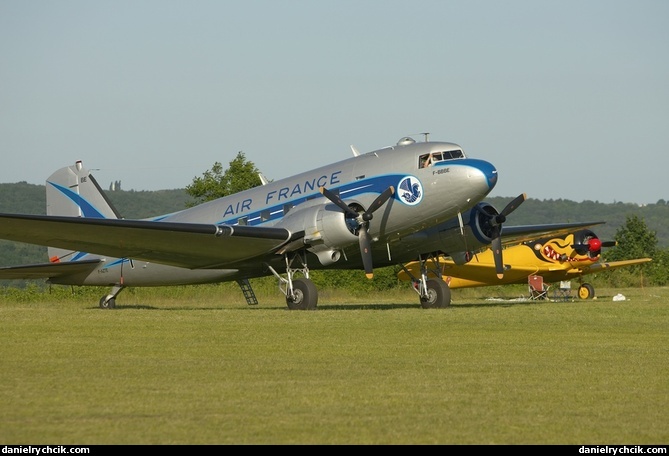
{"x":187,"y":245}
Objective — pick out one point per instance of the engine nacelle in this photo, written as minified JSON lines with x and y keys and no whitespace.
{"x":477,"y":233}
{"x":326,"y":232}
{"x":460,"y":243}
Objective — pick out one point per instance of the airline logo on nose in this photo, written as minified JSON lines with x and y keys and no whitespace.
{"x":410,"y":191}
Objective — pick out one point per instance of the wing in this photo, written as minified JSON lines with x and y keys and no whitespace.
{"x":606,"y":265}
{"x":187,"y":245}
{"x":47,"y":270}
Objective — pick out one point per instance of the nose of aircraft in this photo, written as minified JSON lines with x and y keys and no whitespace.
{"x":487,"y":171}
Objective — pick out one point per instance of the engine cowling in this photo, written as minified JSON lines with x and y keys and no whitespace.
{"x":477,"y":232}
{"x":326,"y":231}
{"x":450,"y":239}
{"x":459,"y":243}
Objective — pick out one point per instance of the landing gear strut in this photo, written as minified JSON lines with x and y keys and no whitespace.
{"x":433,"y":293}
{"x":109,"y":301}
{"x":301,"y":294}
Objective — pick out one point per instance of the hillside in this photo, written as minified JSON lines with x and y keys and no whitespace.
{"x":23,"y":198}
{"x":656,"y":216}
{"x":27,"y":198}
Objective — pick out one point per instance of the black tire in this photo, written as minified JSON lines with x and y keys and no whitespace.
{"x":305,"y":295}
{"x":586,"y":291}
{"x":107,"y":303}
{"x":438,"y":295}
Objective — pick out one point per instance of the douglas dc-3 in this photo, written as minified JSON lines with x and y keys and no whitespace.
{"x":386,"y":207}
{"x":556,"y":258}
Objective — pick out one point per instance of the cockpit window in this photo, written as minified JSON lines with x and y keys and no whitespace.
{"x":453,"y":154}
{"x":434,"y":157}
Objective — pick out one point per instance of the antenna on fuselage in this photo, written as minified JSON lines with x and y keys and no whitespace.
{"x":426,"y":134}
{"x":355,"y":151}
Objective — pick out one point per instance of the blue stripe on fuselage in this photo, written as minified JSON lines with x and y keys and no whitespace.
{"x":350,"y":190}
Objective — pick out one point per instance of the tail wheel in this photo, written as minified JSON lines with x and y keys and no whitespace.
{"x":586,"y":291}
{"x":438,"y":295}
{"x":305,"y":295}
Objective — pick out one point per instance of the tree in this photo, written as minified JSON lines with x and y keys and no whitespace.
{"x":634,"y":240}
{"x":214,"y":183}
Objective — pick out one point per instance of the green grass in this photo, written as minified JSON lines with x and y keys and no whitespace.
{"x":196,"y":365}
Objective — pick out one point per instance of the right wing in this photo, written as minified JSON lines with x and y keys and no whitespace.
{"x":606,"y":265}
{"x":187,"y":245}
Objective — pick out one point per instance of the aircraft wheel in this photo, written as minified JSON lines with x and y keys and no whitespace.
{"x":305,"y":295}
{"x":438,"y":295}
{"x":586,"y":291}
{"x":107,"y":303}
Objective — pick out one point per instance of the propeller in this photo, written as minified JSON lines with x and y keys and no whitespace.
{"x":496,"y":223}
{"x":591,"y":244}
{"x":364,"y":239}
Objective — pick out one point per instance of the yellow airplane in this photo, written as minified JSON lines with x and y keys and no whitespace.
{"x":559,"y":258}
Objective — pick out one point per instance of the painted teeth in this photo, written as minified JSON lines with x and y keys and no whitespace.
{"x":549,"y":252}
{"x":553,"y":255}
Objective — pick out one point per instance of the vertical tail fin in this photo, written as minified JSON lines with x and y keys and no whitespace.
{"x":73,"y":191}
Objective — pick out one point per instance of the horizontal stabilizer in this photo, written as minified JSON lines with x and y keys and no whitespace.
{"x":47,"y":270}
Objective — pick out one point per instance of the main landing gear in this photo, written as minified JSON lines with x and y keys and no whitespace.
{"x":586,"y":291}
{"x":434,"y":292}
{"x":109,"y":301}
{"x":301,"y":294}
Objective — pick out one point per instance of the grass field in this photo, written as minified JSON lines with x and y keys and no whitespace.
{"x":198,"y":366}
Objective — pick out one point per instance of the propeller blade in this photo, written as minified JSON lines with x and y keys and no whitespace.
{"x":338,"y":201}
{"x":363,"y":235}
{"x":366,"y":251}
{"x":496,"y":244}
{"x":497,"y":255}
{"x":609,"y":244}
{"x":378,"y":202}
{"x":513,"y":205}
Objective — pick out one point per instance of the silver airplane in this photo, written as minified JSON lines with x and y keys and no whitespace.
{"x":409,"y":202}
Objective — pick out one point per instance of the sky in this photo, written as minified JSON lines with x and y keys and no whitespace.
{"x":569,"y":100}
